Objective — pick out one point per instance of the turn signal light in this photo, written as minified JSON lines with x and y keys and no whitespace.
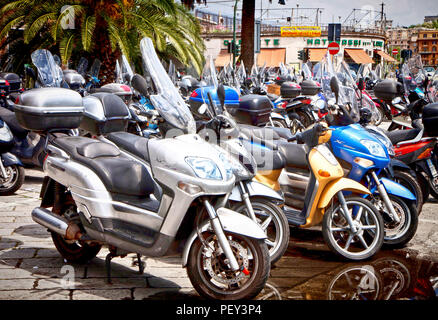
{"x":425,"y":154}
{"x":363,"y":162}
{"x":323,"y":173}
{"x":189,"y":188}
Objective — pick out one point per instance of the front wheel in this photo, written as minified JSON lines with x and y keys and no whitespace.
{"x":358,"y":244}
{"x":397,"y":234}
{"x":13,"y":181}
{"x":273,"y":221}
{"x":211,"y":276}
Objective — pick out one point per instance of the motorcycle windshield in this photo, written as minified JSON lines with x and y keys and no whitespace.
{"x":49,"y":73}
{"x":409,"y":83}
{"x":307,"y":73}
{"x":82,"y":66}
{"x":209,"y":75}
{"x":95,"y":68}
{"x":416,"y":69}
{"x":167,"y":100}
{"x":172,"y":72}
{"x":241,"y":73}
{"x":347,"y":87}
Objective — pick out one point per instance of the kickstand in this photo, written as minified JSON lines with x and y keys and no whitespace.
{"x":141,"y":264}
{"x":108,"y":259}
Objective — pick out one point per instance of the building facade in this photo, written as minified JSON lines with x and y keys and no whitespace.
{"x":427,"y":43}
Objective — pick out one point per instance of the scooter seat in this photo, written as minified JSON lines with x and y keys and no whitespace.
{"x":397,"y":136}
{"x":266,"y":133}
{"x":294,"y":154}
{"x":120,"y":174}
{"x":136,"y":145}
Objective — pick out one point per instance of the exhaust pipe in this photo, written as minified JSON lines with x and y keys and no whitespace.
{"x":55,"y":223}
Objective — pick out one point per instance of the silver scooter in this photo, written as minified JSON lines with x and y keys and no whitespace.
{"x":99,"y":196}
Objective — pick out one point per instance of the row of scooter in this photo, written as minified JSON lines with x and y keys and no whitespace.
{"x":220,"y":192}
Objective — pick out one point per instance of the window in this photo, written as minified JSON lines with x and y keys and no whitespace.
{"x":425,"y":35}
{"x":433,"y":49}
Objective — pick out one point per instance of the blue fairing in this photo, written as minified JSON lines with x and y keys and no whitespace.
{"x":9,"y":160}
{"x":346,"y":145}
{"x":200,"y":95}
{"x":397,"y":189}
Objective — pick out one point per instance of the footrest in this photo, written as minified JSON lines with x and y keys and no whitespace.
{"x":295,"y":217}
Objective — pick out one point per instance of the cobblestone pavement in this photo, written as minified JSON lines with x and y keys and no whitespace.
{"x":31,"y":268}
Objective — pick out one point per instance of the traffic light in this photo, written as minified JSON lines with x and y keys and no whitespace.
{"x":237,"y":50}
{"x":301,"y":55}
{"x":306,"y":55}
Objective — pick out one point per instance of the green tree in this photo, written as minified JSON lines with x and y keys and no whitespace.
{"x":103,"y":29}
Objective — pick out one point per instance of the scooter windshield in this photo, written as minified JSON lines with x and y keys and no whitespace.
{"x":167,"y":101}
{"x":49,"y":73}
{"x":82,"y":66}
{"x":307,"y":73}
{"x":95,"y":68}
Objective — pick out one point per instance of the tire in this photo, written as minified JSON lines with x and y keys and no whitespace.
{"x":397,"y":235}
{"x":14,"y":181}
{"x":248,"y":286}
{"x":305,"y":119}
{"x":353,"y":249}
{"x":413,"y":185}
{"x":425,"y":188}
{"x":75,"y":252}
{"x":277,"y":123}
{"x":277,"y":230}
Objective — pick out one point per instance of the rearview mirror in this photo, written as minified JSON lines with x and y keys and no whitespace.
{"x":334,"y":86}
{"x":221,"y":94}
{"x":361,"y":85}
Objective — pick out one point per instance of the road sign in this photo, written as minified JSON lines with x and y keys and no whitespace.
{"x":333,"y":48}
{"x":394,"y":51}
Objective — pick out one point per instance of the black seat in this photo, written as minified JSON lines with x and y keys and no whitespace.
{"x":11,"y":120}
{"x":266,"y":133}
{"x":397,"y":136}
{"x":294,"y":154}
{"x":120,"y":174}
{"x":132,"y":143}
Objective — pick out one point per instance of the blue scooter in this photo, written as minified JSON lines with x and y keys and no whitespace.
{"x":11,"y":169}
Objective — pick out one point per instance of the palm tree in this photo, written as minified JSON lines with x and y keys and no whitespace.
{"x":105,"y":29}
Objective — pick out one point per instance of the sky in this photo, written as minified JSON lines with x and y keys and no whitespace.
{"x":402,"y":12}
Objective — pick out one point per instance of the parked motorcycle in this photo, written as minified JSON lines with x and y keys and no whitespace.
{"x":100,"y":196}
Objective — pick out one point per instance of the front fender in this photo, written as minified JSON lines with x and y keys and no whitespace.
{"x":232,"y":222}
{"x":9,"y":159}
{"x":395,"y":164}
{"x":256,"y":189}
{"x":397,"y":189}
{"x":341,"y":184}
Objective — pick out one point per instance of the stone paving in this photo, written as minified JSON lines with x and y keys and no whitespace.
{"x":32,"y":269}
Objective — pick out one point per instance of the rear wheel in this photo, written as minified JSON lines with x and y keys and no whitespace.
{"x":211,"y":276}
{"x":277,"y":123}
{"x":380,"y":116}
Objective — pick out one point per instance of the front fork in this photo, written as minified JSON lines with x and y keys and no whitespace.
{"x":385,"y":198}
{"x":222,"y":239}
{"x":245,"y":197}
{"x":3,"y":170}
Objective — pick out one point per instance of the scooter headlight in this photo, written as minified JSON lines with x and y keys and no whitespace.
{"x":374,"y":148}
{"x":204,"y":168}
{"x":229,"y":167}
{"x":5,"y":133}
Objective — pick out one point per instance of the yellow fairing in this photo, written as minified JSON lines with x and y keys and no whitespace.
{"x":269,"y":178}
{"x":319,"y":163}
{"x":325,"y":137}
{"x":337,"y":185}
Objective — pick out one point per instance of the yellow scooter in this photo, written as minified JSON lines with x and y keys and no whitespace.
{"x":351,"y":225}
